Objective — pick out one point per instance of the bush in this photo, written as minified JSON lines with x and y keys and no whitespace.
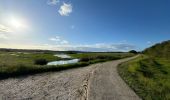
{"x":133,"y":51}
{"x":40,"y":62}
{"x":85,"y":59}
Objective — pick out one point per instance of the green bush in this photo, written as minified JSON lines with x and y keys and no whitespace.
{"x":98,"y":58}
{"x":133,"y":51}
{"x":40,"y":62}
{"x":85,"y":59}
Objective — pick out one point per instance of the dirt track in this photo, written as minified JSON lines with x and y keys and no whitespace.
{"x":95,"y":82}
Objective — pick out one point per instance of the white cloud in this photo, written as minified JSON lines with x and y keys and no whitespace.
{"x":4,"y":29}
{"x":149,"y":42}
{"x":58,"y":43}
{"x":99,"y":47}
{"x":65,"y":45}
{"x":107,"y":47}
{"x":56,"y":39}
{"x":64,"y":42}
{"x":53,"y":2}
{"x":53,"y":39}
{"x":65,"y":9}
{"x":59,"y":40}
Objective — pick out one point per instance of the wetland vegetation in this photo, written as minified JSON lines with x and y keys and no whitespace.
{"x":18,"y":63}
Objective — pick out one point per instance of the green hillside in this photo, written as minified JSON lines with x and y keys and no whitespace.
{"x":161,"y":50}
{"x":149,"y":74}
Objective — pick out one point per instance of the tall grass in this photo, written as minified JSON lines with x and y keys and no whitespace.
{"x":149,"y":77}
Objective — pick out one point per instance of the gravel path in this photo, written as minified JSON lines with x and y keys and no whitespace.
{"x":95,"y":82}
{"x":106,"y":84}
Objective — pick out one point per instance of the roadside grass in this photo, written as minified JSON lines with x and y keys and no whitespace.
{"x":14,"y":64}
{"x":22,"y":70}
{"x":148,"y":77}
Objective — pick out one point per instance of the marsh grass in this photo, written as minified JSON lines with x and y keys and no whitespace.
{"x":15,"y":58}
{"x":23,"y":70}
{"x":100,"y":57}
{"x":14,"y":64}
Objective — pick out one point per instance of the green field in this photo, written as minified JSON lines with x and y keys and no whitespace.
{"x":23,"y":63}
{"x":100,"y":57}
{"x":149,"y":77}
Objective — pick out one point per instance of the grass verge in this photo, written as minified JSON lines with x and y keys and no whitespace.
{"x":148,"y":77}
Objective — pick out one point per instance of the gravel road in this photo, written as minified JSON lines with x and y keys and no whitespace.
{"x":95,"y":82}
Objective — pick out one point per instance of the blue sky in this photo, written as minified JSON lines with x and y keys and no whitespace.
{"x":89,"y":25}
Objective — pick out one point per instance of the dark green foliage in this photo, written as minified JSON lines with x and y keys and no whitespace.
{"x":161,"y":50}
{"x":72,"y":52}
{"x":40,"y":62}
{"x":93,"y":57}
{"x":85,"y":59}
{"x":98,"y":57}
{"x":133,"y":51}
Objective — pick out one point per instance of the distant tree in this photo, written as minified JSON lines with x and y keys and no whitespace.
{"x":133,"y":51}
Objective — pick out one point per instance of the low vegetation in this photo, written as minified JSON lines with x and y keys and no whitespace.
{"x":20,"y":70}
{"x":15,"y":58}
{"x":23,"y":63}
{"x":40,"y":62}
{"x":149,"y":74}
{"x":160,"y":50}
{"x":133,"y":51}
{"x":100,"y":57}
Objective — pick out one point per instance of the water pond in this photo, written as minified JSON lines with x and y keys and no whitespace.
{"x":62,"y":55}
{"x":62,"y":62}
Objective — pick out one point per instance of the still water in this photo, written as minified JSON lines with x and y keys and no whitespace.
{"x":62,"y":62}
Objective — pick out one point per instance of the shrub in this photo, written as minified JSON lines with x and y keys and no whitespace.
{"x":84,"y":59}
{"x":133,"y":51}
{"x":40,"y":62}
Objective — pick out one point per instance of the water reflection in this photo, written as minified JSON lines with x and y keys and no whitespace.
{"x":62,"y":62}
{"x":62,"y":55}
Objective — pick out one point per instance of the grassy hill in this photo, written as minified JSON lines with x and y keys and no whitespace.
{"x":149,"y":74}
{"x":161,"y":50}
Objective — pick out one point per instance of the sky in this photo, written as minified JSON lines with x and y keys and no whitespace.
{"x":84,"y":25}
